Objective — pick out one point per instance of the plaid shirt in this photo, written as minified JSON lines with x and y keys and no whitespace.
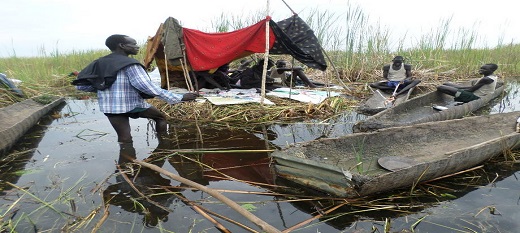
{"x":123,"y":95}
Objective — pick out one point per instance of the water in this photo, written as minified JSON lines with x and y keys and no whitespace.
{"x":71,"y":164}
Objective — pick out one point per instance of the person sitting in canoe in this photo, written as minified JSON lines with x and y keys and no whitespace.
{"x":482,"y":87}
{"x":398,"y":76}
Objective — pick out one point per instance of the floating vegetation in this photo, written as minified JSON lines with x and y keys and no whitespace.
{"x":283,"y":111}
{"x":45,"y":99}
{"x":8,"y":98}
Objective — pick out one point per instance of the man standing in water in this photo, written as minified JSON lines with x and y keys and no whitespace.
{"x":482,"y":87}
{"x":121,"y":84}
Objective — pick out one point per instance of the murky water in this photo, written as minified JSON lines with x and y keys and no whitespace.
{"x":60,"y":176}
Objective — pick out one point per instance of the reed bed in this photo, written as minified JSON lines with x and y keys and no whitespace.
{"x":283,"y":110}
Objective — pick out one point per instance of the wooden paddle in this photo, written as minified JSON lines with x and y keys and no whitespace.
{"x":396,"y":87}
{"x":392,"y":98}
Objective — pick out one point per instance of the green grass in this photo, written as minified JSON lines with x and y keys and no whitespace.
{"x":47,"y":74}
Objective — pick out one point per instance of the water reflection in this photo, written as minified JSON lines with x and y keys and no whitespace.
{"x":302,"y":132}
{"x":222,"y":153}
{"x":138,"y":189}
{"x":510,"y":101}
{"x":146,"y":192}
{"x":12,"y":163}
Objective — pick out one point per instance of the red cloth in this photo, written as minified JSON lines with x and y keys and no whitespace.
{"x":207,"y":51}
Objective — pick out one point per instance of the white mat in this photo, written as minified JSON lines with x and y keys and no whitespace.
{"x":303,"y":95}
{"x":244,"y":96}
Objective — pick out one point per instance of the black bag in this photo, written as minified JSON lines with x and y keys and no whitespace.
{"x":145,"y":96}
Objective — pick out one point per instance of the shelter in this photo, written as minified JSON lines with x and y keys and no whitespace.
{"x":177,"y":50}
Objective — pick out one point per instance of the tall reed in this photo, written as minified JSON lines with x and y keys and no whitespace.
{"x":360,"y":48}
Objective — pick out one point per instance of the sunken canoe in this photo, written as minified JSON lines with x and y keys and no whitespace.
{"x":18,"y":118}
{"x":424,"y":109}
{"x":379,"y":101}
{"x":367,"y":163}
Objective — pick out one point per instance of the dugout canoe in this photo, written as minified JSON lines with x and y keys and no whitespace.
{"x":18,"y":118}
{"x":422,"y":109}
{"x":379,"y":101}
{"x":367,"y":163}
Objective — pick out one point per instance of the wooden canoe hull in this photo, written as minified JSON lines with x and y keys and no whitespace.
{"x":348,"y":166}
{"x":419,"y":110}
{"x":18,"y":118}
{"x":379,"y":102}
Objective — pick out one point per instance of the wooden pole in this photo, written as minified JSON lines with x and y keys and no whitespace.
{"x":294,"y":13}
{"x":186,"y":76}
{"x":185,"y":70}
{"x":166,"y":67}
{"x":266,"y":54}
{"x":334,"y":68}
{"x":259,"y":222}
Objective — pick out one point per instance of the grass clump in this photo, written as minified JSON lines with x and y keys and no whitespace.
{"x":283,"y":111}
{"x":45,"y":99}
{"x":8,"y":97}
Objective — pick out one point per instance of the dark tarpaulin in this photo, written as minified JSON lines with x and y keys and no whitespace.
{"x":296,"y":38}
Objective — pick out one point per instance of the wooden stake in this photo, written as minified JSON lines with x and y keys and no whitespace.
{"x":259,"y":222}
{"x":166,"y":67}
